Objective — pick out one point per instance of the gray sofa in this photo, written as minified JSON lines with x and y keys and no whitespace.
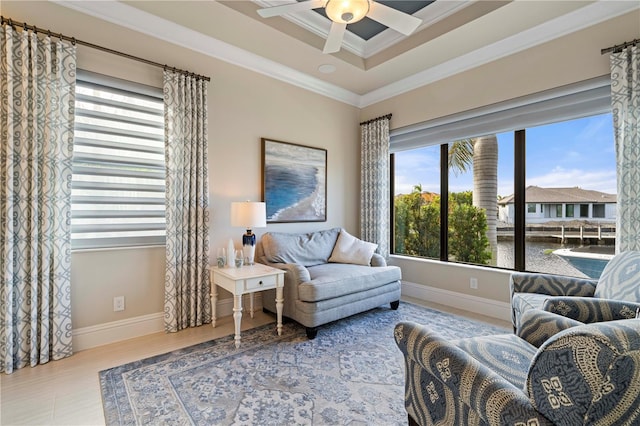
{"x":317,"y":289}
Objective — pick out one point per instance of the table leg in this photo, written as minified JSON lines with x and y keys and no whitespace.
{"x":237,"y":316}
{"x":214,"y":302}
{"x":279,"y":304}
{"x":251,"y":303}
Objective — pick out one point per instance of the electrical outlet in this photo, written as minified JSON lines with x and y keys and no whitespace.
{"x":473,"y":283}
{"x":118,"y":303}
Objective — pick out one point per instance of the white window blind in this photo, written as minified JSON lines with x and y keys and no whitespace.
{"x":564,"y":103}
{"x":118,"y":186}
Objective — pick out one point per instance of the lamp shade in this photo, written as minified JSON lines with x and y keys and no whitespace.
{"x":249,"y":214}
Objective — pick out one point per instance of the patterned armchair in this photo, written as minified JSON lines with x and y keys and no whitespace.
{"x":616,"y":295}
{"x":581,"y":374}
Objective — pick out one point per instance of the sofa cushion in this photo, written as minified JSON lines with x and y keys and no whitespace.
{"x":337,"y":279}
{"x":349,"y":249}
{"x":308,"y":249}
{"x":344,"y":304}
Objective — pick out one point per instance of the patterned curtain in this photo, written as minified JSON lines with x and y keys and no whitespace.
{"x":374,"y":182}
{"x":37,"y":82}
{"x":625,"y":102}
{"x":187,"y":300}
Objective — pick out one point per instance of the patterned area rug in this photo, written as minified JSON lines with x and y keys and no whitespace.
{"x":352,"y":373}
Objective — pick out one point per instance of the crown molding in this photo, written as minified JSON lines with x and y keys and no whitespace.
{"x":135,"y":19}
{"x":595,"y":13}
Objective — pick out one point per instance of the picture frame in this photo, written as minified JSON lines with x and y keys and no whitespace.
{"x":294,"y":182}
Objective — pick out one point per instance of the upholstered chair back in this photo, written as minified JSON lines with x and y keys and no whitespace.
{"x":620,"y":279}
{"x":588,"y":374}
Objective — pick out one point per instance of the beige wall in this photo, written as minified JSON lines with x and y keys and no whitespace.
{"x":243,"y":107}
{"x":570,"y":59}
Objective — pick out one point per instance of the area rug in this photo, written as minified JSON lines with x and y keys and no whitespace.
{"x":352,"y":373}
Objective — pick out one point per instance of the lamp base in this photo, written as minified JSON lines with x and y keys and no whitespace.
{"x":249,"y":247}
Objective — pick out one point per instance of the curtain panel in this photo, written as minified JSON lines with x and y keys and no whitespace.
{"x":37,"y":82}
{"x":187,"y":289}
{"x":625,"y":102}
{"x":374,"y":183}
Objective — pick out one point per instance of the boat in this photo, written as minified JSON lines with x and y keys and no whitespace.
{"x":590,"y":260}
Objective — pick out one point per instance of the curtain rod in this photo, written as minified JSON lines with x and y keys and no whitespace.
{"x":73,"y":40}
{"x":619,"y":47}
{"x":388,"y":117}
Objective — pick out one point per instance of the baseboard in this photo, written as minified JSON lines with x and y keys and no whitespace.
{"x":103,"y":334}
{"x":110,"y":332}
{"x":478,"y":305}
{"x":116,"y":331}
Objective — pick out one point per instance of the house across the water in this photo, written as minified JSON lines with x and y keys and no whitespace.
{"x":561,"y":204}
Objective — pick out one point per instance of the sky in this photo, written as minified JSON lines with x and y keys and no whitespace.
{"x":579,"y":153}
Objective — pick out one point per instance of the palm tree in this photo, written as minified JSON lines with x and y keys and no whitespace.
{"x":481,"y":153}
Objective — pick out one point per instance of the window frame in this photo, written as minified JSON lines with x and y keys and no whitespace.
{"x":578,"y":100}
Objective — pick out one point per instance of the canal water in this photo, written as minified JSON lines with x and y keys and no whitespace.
{"x":538,"y":258}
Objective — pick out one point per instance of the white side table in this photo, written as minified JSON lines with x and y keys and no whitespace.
{"x":243,"y":280}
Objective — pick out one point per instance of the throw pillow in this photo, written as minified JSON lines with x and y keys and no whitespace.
{"x":349,"y":249}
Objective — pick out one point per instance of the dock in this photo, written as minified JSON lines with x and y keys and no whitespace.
{"x":583,"y":236}
{"x":604,"y":235}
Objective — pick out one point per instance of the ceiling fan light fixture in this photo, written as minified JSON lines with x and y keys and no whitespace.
{"x":346,"y":11}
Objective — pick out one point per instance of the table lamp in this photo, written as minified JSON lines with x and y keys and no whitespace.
{"x":248,"y":215}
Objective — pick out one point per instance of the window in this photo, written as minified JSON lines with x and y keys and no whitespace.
{"x":598,"y":211}
{"x":584,"y":210}
{"x":569,"y":210}
{"x":476,"y":183}
{"x":118,"y":185}
{"x":558,"y":164}
{"x":417,"y":203}
{"x":556,"y":126}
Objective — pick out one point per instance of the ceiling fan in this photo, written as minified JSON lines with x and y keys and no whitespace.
{"x":343,"y":12}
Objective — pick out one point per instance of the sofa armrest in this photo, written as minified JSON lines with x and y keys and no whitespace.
{"x":297,"y":273}
{"x":587,"y":375}
{"x":591,"y":309}
{"x":378,"y":260}
{"x":536,"y":326}
{"x":491,"y":396}
{"x":553,"y":285}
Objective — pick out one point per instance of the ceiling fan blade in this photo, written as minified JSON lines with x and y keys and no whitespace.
{"x":268,"y":12}
{"x":334,"y":39}
{"x":392,"y":18}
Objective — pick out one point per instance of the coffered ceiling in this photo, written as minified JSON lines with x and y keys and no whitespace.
{"x":455,"y":35}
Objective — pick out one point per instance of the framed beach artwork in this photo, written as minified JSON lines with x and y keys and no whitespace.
{"x":294,"y":182}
